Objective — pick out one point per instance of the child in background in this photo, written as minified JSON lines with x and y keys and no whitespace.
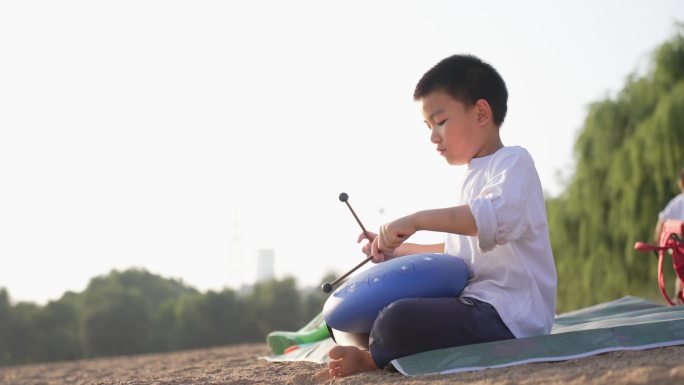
{"x":499,"y":229}
{"x":673,"y":210}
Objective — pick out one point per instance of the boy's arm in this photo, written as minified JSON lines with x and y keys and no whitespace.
{"x":403,"y":249}
{"x":415,"y":248}
{"x":455,"y":220}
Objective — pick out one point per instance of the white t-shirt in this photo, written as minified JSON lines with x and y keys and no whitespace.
{"x":674,"y":209}
{"x":510,"y":263}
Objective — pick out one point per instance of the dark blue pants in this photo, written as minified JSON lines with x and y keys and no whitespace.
{"x":415,"y":325}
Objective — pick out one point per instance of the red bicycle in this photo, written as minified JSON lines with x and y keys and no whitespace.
{"x":670,"y":240}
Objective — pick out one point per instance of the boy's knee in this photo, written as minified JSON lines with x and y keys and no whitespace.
{"x":400,"y":307}
{"x":397,"y":316}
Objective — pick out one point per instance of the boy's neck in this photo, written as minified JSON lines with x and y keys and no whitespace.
{"x":490,"y":147}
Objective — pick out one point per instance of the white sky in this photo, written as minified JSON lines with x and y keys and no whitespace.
{"x":182,"y":136}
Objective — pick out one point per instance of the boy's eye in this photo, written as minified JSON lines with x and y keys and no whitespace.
{"x":440,"y":124}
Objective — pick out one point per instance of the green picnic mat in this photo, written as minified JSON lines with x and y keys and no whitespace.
{"x":628,"y":323}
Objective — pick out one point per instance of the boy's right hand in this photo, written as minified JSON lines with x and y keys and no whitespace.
{"x":367,"y":248}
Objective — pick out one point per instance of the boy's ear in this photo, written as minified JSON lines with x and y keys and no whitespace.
{"x":484,"y":111}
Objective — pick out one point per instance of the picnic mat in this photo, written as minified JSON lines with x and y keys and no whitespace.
{"x":629,"y":323}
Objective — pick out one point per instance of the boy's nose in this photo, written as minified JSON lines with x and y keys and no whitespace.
{"x":434,"y":136}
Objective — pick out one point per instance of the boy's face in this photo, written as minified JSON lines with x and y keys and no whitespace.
{"x":455,"y":129}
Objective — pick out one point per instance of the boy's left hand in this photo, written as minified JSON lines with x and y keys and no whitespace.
{"x":392,"y":235}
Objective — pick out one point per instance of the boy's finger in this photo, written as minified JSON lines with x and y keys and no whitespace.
{"x":375,"y":251}
{"x":374,"y":247}
{"x":366,"y":249}
{"x":378,"y":242}
{"x":382,"y":246}
{"x":384,"y":233}
{"x":390,"y":242}
{"x":363,"y":236}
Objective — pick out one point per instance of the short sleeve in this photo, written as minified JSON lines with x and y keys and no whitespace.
{"x":673,"y":210}
{"x":500,"y":210}
{"x":666,"y":213}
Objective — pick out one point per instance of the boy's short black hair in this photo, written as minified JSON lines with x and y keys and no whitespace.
{"x":467,"y":79}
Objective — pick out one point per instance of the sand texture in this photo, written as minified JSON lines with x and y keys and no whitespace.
{"x":240,"y":365}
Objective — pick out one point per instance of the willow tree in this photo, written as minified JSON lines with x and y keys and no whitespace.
{"x":628,"y":155}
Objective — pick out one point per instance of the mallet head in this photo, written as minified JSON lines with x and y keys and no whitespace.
{"x":344,"y":197}
{"x":327,"y":287}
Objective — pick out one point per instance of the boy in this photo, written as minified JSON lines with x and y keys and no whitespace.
{"x":499,"y":229}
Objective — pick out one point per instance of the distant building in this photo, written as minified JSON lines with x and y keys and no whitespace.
{"x":265,"y":265}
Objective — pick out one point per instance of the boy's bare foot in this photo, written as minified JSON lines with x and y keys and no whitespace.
{"x":348,"y":360}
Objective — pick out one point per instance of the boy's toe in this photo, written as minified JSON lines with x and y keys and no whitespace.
{"x":336,"y":353}
{"x":334,"y":365}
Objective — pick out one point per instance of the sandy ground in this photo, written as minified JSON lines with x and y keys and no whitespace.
{"x":240,"y":365}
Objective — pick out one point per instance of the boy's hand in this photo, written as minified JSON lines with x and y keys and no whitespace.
{"x":391,"y":236}
{"x":367,"y":247}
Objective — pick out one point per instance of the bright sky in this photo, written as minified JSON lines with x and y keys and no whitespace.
{"x":183,"y":136}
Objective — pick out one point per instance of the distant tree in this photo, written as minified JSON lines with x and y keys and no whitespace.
{"x":225,"y":315}
{"x":210,"y":319}
{"x":22,"y":338}
{"x":628,"y":155}
{"x":315,"y":298}
{"x":274,"y":305}
{"x":164,"y":334}
{"x":117,"y":323}
{"x":122,"y":312}
{"x":6,"y":325}
{"x":56,"y":331}
{"x":153,"y":288}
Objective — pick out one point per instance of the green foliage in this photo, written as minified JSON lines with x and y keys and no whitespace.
{"x":155,"y":288}
{"x":117,"y":323}
{"x":276,"y":301}
{"x":21,"y":337}
{"x":628,"y":155}
{"x":134,"y":311}
{"x":314,"y":298}
{"x":55,"y":332}
{"x":211,"y":319}
{"x":6,"y":326}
